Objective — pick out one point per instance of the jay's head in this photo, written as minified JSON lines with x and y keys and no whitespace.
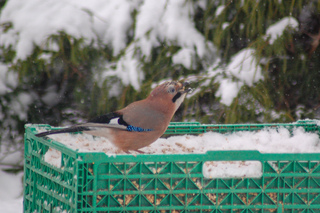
{"x":171,"y":93}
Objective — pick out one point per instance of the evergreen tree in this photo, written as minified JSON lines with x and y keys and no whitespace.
{"x":249,"y":61}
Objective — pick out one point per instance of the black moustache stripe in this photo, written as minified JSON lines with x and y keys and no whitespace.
{"x":176,"y":97}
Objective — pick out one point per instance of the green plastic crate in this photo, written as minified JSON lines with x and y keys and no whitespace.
{"x":94,"y":182}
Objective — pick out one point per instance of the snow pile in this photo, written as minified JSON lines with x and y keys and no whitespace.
{"x":36,"y":20}
{"x":8,"y":80}
{"x":266,"y":141}
{"x":11,"y":192}
{"x":53,"y":157}
{"x":243,"y":69}
{"x":171,"y":20}
{"x":11,"y":154}
{"x":184,"y":57}
{"x":20,"y":105}
{"x":106,"y":23}
{"x":157,"y":23}
{"x":11,"y":185}
{"x":128,"y":69}
{"x":276,"y":30}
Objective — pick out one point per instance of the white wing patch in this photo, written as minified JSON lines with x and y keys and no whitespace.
{"x":114,"y":121}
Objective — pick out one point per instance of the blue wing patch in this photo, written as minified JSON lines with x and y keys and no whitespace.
{"x":137,"y":129}
{"x":117,"y":118}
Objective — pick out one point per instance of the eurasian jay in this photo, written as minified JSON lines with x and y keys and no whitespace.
{"x":140,"y":123}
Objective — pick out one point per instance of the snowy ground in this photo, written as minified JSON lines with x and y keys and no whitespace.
{"x":10,"y":184}
{"x":10,"y":192}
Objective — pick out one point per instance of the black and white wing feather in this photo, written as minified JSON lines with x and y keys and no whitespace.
{"x":110,"y":120}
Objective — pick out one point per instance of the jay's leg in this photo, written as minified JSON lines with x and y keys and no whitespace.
{"x":139,"y":151}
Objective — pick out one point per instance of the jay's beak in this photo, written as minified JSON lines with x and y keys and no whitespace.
{"x":186,"y":87}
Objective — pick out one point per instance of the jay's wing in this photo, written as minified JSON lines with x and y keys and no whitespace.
{"x":113,"y":120}
{"x":110,"y":120}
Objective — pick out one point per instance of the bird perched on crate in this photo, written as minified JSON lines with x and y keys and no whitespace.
{"x":140,"y":123}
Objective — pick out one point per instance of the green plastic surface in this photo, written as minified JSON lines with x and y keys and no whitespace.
{"x":94,"y":182}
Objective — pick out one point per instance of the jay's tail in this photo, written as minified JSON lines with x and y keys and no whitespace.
{"x":65,"y":130}
{"x":85,"y":127}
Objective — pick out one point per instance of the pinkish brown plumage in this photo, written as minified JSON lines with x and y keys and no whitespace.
{"x":140,"y":123}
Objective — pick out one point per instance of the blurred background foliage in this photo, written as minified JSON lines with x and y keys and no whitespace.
{"x":65,"y":87}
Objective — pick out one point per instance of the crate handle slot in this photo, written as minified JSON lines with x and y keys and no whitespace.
{"x":232,"y":169}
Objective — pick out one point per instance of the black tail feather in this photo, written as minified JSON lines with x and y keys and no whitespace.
{"x":65,"y":130}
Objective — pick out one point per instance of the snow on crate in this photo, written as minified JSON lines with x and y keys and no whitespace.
{"x":266,"y":141}
{"x":53,"y":157}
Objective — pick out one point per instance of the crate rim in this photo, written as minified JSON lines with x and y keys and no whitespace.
{"x":214,"y":155}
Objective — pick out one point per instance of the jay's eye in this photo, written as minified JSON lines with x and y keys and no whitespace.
{"x":171,"y":90}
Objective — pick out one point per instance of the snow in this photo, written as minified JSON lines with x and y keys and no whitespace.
{"x":225,"y":25}
{"x":128,"y":69}
{"x":45,"y":56}
{"x":266,"y":141}
{"x":11,"y":187}
{"x":53,"y":157}
{"x":185,"y":57}
{"x":20,"y":105}
{"x":51,"y":96}
{"x":244,"y":67}
{"x":228,"y":90}
{"x":232,"y":169}
{"x":147,"y":23}
{"x":11,"y":192}
{"x":219,"y":10}
{"x":11,"y":154}
{"x":115,"y":20}
{"x":35,"y":21}
{"x":109,"y":24}
{"x":276,"y":30}
{"x":8,"y":80}
{"x":167,"y":20}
